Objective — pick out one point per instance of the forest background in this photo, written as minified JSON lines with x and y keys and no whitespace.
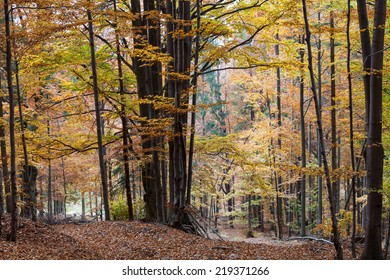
{"x":268,"y":115}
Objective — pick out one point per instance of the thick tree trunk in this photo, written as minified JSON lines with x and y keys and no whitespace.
{"x":366,"y":52}
{"x":336,"y":237}
{"x":1,"y":175}
{"x":1,"y":204}
{"x":180,"y":50}
{"x":103,"y":173}
{"x":148,"y":86}
{"x":374,"y":150}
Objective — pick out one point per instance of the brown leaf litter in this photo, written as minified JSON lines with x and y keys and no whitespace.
{"x":145,"y":241}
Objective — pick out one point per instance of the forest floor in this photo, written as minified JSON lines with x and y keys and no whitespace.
{"x":146,"y":241}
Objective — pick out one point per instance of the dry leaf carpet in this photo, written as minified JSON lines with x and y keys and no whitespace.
{"x":138,"y":240}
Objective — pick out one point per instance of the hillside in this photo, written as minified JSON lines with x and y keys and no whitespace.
{"x":138,"y":240}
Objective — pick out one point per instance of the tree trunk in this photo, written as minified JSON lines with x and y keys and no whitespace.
{"x":333,"y":111}
{"x":49,"y":185}
{"x":1,"y":175}
{"x":4,"y":162}
{"x":303,"y":147}
{"x":387,"y":242}
{"x":249,"y":217}
{"x":336,"y":237}
{"x":351,"y":132}
{"x":83,"y":219}
{"x":319,"y":157}
{"x":64,"y":183}
{"x":1,"y":203}
{"x":279,"y":201}
{"x":194,"y":94}
{"x":28,"y":187}
{"x":366,"y":52}
{"x":374,"y":150}
{"x":148,"y":82}
{"x":103,"y":173}
{"x":12,"y":142}
{"x":125,"y":149}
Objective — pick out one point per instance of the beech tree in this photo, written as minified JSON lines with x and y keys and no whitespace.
{"x":196,"y":114}
{"x":14,"y":215}
{"x":374,"y":149}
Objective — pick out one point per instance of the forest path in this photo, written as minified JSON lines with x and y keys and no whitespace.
{"x":138,"y":240}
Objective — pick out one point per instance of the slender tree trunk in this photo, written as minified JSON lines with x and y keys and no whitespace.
{"x":49,"y":194}
{"x":83,"y":219}
{"x":333,"y":111}
{"x":164,"y":185}
{"x":194,"y":95}
{"x":125,"y":149}
{"x":351,"y":132}
{"x":12,"y":142}
{"x":303,"y":147}
{"x":102,"y":165}
{"x":28,"y":184}
{"x":64,"y":183}
{"x":336,"y":237}
{"x":4,"y":162}
{"x":319,"y":157}
{"x":310,"y":177}
{"x":279,"y":201}
{"x":375,"y":153}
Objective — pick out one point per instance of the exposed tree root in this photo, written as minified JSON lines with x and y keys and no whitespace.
{"x":190,"y":220}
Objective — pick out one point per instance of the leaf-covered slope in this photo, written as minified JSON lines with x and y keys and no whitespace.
{"x":137,"y":240}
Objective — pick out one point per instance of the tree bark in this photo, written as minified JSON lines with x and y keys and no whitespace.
{"x":279,"y":201}
{"x":351,"y":132}
{"x":303,"y":147}
{"x":366,"y":52}
{"x":12,"y":142}
{"x":148,"y":83}
{"x":64,"y":183}
{"x":336,"y":238}
{"x":30,"y":190}
{"x":1,"y":175}
{"x":4,"y":162}
{"x":125,"y":149}
{"x":333,"y":112}
{"x":103,"y":173}
{"x":49,"y":184}
{"x":319,"y":157}
{"x":194,"y":95}
{"x":374,"y":150}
